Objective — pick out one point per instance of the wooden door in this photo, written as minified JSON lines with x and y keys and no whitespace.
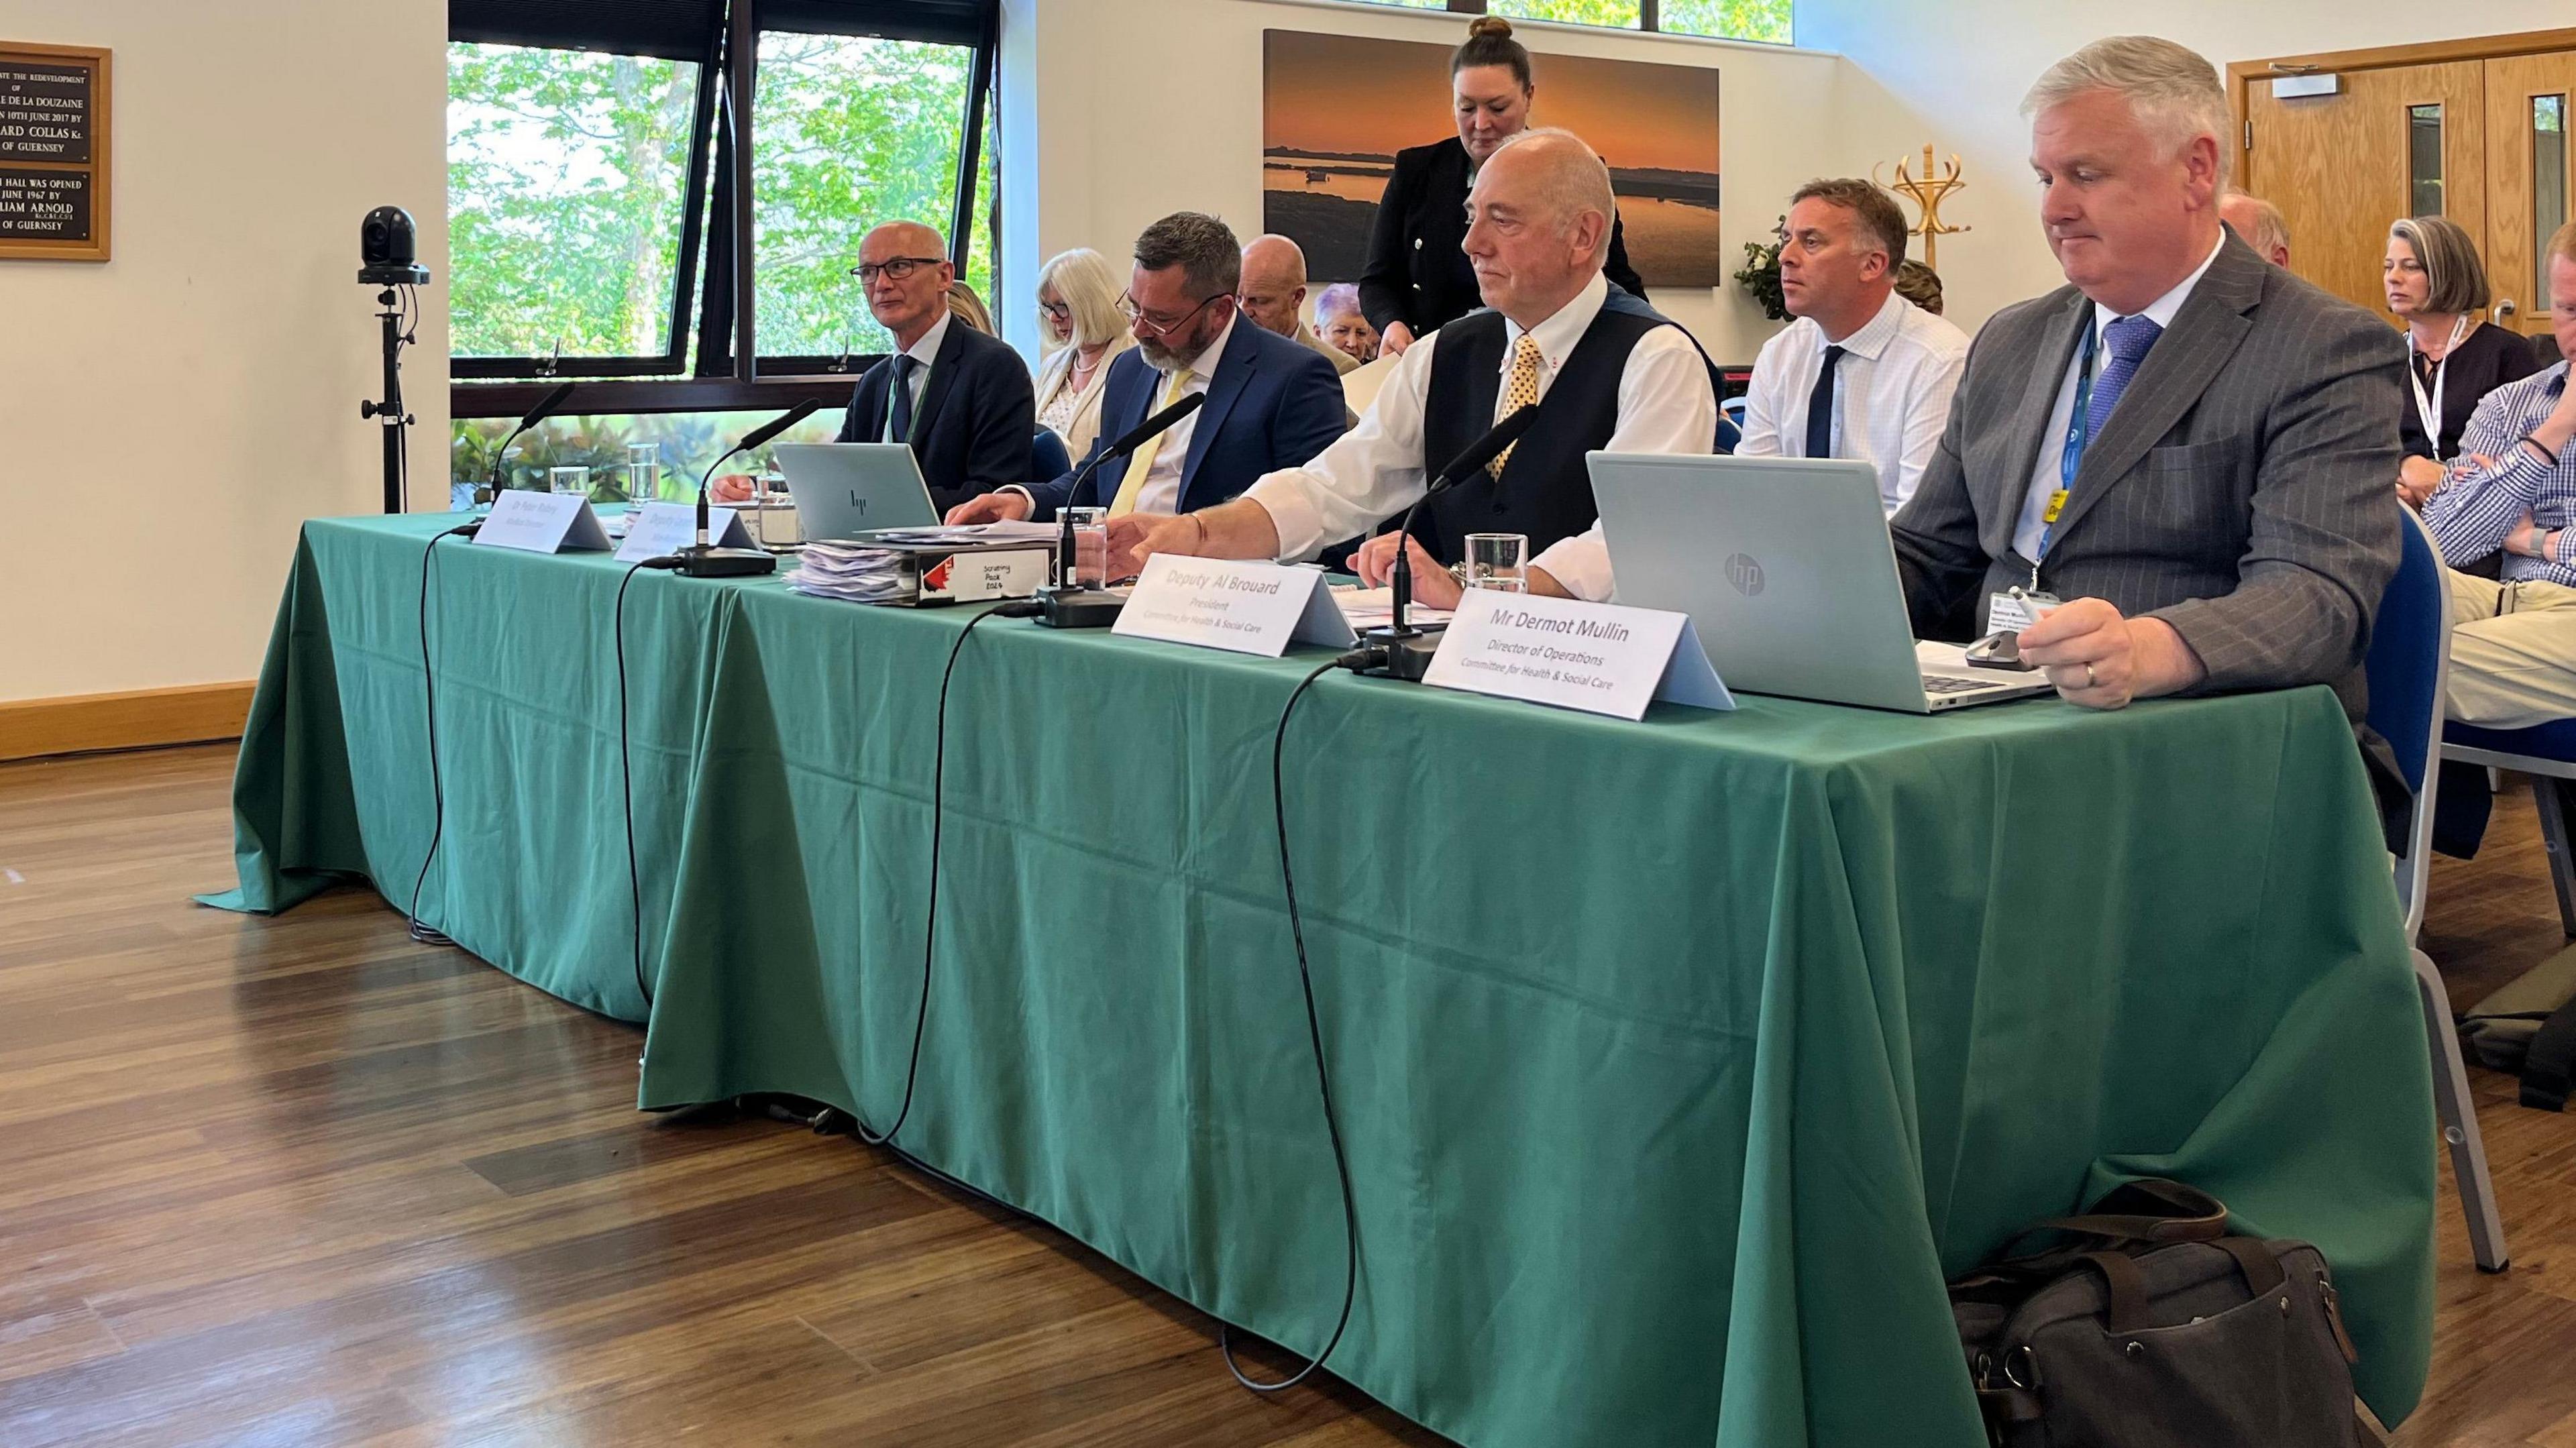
{"x":2529,"y":182}
{"x":2393,"y":142}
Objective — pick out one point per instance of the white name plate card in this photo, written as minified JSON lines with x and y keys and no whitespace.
{"x":1228,"y":603}
{"x":535,"y":522}
{"x":1597,"y":657}
{"x":661,"y":529}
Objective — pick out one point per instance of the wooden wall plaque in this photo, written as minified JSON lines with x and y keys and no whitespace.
{"x":54,"y":147}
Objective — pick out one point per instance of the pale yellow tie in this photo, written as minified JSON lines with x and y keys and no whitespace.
{"x":1143,"y":460}
{"x":1522,"y":392}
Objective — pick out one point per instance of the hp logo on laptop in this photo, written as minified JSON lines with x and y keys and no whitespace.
{"x":1745,"y":572}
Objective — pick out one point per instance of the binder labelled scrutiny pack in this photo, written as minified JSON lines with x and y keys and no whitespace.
{"x":917,"y":574}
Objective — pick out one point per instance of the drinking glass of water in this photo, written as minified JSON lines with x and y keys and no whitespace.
{"x":568,"y":480}
{"x":1090,"y":547}
{"x":1498,"y":561}
{"x":643,"y":471}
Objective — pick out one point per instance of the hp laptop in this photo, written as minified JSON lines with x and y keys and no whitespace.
{"x":843,"y":489}
{"x":1784,"y":565}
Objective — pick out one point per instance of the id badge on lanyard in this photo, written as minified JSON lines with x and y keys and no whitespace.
{"x":2428,"y":409}
{"x":2018,"y":608}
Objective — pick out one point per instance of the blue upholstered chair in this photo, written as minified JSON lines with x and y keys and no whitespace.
{"x":1049,"y":459}
{"x":2409,"y":667}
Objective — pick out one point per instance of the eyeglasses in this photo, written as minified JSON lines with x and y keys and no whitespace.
{"x":1061,"y":311}
{"x":1127,"y":308}
{"x":898,"y":268}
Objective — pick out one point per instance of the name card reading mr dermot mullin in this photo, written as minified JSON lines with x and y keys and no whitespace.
{"x":53,"y":152}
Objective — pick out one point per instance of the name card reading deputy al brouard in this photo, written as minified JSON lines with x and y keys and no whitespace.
{"x":1597,"y":657}
{"x":662,"y":529}
{"x":1228,"y":603}
{"x":534,"y":522}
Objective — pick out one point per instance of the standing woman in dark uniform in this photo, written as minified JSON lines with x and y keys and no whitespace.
{"x":1417,"y":277}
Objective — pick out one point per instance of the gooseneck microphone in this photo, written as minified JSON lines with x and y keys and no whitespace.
{"x":1407,"y":656}
{"x":1065,"y":605}
{"x":546,"y":407}
{"x":702,"y":559}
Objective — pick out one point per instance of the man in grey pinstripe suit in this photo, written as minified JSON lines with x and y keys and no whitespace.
{"x":2187,"y":444}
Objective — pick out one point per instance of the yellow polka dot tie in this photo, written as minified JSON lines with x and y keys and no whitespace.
{"x":1143,"y":461}
{"x":1521,"y":392}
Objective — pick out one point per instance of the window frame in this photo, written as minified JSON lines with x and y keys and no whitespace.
{"x":716,"y":260}
{"x":675,"y":361}
{"x":1650,"y":21}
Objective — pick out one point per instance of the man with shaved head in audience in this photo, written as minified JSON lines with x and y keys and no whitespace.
{"x":1273,"y":294}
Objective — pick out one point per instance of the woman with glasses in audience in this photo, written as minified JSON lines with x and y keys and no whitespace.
{"x":1078,"y":316}
{"x":2438,"y":288}
{"x":1341,"y":323}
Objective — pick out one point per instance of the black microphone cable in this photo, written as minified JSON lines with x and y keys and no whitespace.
{"x":626,"y":792}
{"x":930,"y":922}
{"x":1355,"y":659}
{"x":437,"y":793}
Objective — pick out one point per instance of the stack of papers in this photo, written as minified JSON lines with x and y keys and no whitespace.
{"x":1368,"y":608}
{"x":995,"y":532}
{"x":854,"y":571}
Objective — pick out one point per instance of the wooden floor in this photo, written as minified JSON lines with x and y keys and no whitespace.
{"x":302,"y":1181}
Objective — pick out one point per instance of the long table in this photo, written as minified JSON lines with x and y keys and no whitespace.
{"x":1679,"y":1061}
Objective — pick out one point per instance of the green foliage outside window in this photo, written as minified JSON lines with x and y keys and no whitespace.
{"x":565,"y":175}
{"x":851,"y":131}
{"x":1765,"y":20}
{"x":567,"y":172}
{"x":1619,"y":13}
{"x":688,"y":443}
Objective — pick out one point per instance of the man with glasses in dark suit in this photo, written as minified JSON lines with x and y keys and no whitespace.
{"x":963,"y":400}
{"x":1272,"y":403}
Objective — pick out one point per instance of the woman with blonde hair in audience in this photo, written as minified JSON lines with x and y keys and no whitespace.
{"x":1078,"y":316}
{"x":967,"y":307}
{"x":2438,"y":288}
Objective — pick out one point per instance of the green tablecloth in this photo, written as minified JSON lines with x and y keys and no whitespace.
{"x":1679,"y":1061}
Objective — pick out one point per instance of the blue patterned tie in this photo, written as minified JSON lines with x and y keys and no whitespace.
{"x":2129,"y":338}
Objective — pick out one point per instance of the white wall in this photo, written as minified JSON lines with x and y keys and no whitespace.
{"x":1955,"y":76}
{"x":201,"y":390}
{"x":204,"y":385}
{"x":1145,"y":107}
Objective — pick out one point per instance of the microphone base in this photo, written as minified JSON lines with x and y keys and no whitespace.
{"x":1079,"y":607}
{"x":1408,"y":653}
{"x":723,"y":562}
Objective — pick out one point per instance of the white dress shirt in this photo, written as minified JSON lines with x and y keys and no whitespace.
{"x":923,"y":352}
{"x":2047,"y":475}
{"x":1162,"y":490}
{"x":1374,"y":471}
{"x":1891,"y":393}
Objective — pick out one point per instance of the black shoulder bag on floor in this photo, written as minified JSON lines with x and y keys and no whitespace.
{"x":2153,"y":1328}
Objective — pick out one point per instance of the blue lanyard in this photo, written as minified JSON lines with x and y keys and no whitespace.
{"x":2071,"y":456}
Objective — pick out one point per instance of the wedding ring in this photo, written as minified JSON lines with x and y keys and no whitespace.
{"x":2090,"y":682}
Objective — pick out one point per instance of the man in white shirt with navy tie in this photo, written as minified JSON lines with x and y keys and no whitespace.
{"x":1862,"y":373}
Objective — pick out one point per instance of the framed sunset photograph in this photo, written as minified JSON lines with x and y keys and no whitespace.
{"x":1336,"y":109}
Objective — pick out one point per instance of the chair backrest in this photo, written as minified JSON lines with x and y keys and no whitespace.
{"x":2409,"y":669}
{"x":1048,"y":456}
